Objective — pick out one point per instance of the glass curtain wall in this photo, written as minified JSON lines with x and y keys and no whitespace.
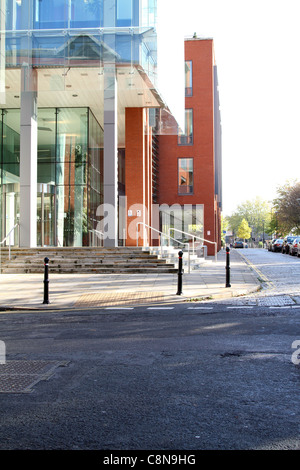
{"x":62,"y":31}
{"x":95,"y":181}
{"x":69,"y":177}
{"x":10,"y":172}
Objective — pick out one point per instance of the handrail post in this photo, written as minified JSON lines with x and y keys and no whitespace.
{"x":137,"y":234}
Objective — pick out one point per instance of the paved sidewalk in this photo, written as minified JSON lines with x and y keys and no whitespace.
{"x":26,"y":291}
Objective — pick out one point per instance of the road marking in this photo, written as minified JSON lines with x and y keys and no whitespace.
{"x":284,"y":306}
{"x":260,"y":274}
{"x":200,"y":308}
{"x":119,"y":308}
{"x":160,"y":308}
{"x":242,"y":306}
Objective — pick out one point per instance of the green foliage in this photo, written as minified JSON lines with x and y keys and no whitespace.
{"x":257,"y":213}
{"x":287,"y":208}
{"x":244,"y":231}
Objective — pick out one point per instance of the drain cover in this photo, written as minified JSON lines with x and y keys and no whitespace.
{"x":21,"y":376}
{"x":280,"y":300}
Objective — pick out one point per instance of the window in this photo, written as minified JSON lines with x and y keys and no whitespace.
{"x":185,"y":176}
{"x":124,"y":13}
{"x":51,"y":14}
{"x":186,"y":137}
{"x":188,"y":78}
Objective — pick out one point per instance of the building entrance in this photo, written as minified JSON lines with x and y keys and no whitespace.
{"x":46,"y":215}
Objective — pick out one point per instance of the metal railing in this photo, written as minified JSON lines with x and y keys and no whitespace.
{"x":193,"y":237}
{"x":97,"y":233}
{"x":168,"y":237}
{"x":8,"y":236}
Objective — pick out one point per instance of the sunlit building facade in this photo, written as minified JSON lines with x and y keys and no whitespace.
{"x":191,"y":162}
{"x":81,"y":107}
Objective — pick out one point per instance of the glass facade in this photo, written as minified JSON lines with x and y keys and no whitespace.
{"x":65,"y":31}
{"x":58,"y":58}
{"x":69,"y":174}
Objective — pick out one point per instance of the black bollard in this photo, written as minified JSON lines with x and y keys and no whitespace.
{"x":180,"y":272}
{"x":228,"y":267}
{"x":46,"y":282}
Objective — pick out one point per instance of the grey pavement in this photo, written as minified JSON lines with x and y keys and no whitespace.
{"x":26,"y":291}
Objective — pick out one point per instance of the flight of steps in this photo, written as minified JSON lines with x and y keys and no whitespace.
{"x":170,"y":254}
{"x":84,"y":260}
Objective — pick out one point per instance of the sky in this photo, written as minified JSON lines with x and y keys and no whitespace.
{"x":257,"y":53}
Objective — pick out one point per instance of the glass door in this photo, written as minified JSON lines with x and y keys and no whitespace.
{"x":46,"y":215}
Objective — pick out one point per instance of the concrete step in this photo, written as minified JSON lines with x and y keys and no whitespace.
{"x":93,"y":270}
{"x":170,"y":254}
{"x":84,"y":260}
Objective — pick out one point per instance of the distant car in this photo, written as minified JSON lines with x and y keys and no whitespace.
{"x":287,"y":243}
{"x":270,"y":244}
{"x":238,"y":244}
{"x":294,"y":247}
{"x":277,"y":245}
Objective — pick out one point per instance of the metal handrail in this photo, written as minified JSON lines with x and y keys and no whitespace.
{"x":199,"y":238}
{"x":165,"y":235}
{"x":97,"y":231}
{"x":9,"y":236}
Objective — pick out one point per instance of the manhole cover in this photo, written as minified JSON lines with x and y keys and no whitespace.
{"x":21,"y":376}
{"x":276,"y":301}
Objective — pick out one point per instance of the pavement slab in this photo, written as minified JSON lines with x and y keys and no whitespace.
{"x":26,"y":291}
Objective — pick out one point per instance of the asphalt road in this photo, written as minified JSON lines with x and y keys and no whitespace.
{"x":194,"y":376}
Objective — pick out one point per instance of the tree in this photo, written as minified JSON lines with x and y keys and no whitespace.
{"x":257,"y":213}
{"x":244,"y":231}
{"x":287,"y":207}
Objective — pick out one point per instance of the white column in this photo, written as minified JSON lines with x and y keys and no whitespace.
{"x":110,"y":164}
{"x":110,"y":167}
{"x":28,"y":159}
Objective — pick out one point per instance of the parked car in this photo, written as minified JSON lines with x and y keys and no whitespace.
{"x":238,"y":244}
{"x":287,"y":243}
{"x":277,"y":245}
{"x":270,"y":244}
{"x":294,"y":246}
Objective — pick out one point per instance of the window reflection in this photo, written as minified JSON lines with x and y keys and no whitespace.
{"x":188,"y":78}
{"x":186,"y":137}
{"x":185,"y":176}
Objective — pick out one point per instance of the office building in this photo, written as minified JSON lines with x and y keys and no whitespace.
{"x":80,"y":87}
{"x":190,"y":164}
{"x":99,"y":133}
